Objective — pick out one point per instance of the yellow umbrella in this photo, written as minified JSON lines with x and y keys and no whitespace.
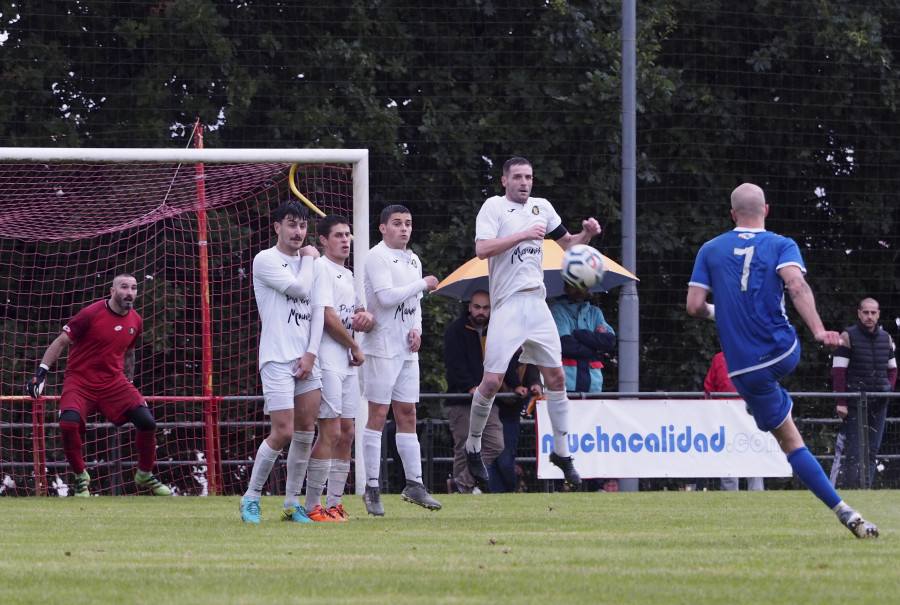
{"x":472,"y":276}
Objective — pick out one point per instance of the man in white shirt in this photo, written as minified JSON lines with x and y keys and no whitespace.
{"x":339,"y":357}
{"x":288,"y":346}
{"x":509,"y":232}
{"x":394,"y":285}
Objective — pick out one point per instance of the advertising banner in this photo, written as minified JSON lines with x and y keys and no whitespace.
{"x":662,"y":438}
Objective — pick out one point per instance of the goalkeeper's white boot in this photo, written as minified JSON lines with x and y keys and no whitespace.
{"x":859,"y":526}
{"x":82,"y":485}
{"x":147,"y":481}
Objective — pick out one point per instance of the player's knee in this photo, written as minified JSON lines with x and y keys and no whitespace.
{"x":142,"y":419}
{"x":555,"y":380}
{"x":490,"y":386}
{"x":70,"y":416}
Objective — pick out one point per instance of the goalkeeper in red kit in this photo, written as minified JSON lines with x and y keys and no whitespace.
{"x":99,"y":371}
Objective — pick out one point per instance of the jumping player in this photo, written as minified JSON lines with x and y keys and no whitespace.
{"x":509,"y":232}
{"x":288,"y":346}
{"x":98,"y":378}
{"x":749,"y":269}
{"x":394,"y":285}
{"x":339,"y":357}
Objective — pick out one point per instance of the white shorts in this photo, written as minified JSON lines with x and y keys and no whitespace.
{"x":280,"y":386}
{"x":522,"y":320}
{"x":387,"y":379}
{"x":340,"y":395}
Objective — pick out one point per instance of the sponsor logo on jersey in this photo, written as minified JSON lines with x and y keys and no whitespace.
{"x":521,"y":252}
{"x":746,"y":235}
{"x":118,"y":328}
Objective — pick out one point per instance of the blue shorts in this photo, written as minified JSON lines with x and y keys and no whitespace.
{"x":769,"y":403}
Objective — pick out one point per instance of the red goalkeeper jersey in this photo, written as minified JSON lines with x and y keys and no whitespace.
{"x":100,"y":338}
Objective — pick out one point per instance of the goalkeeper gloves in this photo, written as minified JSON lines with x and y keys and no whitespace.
{"x":35,"y":386}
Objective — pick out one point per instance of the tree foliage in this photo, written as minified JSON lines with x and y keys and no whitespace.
{"x":799,"y":97}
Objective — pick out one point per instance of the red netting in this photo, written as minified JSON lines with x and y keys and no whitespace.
{"x":65,"y":231}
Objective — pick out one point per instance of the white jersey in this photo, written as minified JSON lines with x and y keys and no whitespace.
{"x":334,"y":288}
{"x":286,"y":318}
{"x":394,"y":285}
{"x":520,"y":267}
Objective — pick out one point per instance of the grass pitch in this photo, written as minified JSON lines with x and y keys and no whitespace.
{"x":579,"y":548}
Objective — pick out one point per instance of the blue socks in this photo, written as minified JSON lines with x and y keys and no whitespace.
{"x":810,"y":472}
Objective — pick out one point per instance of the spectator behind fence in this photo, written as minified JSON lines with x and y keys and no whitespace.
{"x":464,"y":364}
{"x":523,"y":379}
{"x":101,"y":339}
{"x":864,"y":362}
{"x":717,"y":381}
{"x":749,"y":269}
{"x":585,"y":337}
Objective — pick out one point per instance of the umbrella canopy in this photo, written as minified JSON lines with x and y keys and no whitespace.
{"x":473,"y":275}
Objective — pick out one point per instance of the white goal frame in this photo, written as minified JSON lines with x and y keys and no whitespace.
{"x":357,"y":158}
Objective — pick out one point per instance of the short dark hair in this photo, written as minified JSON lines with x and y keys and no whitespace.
{"x":516,"y":161}
{"x":122,"y":275}
{"x":393,"y":209}
{"x":324,"y":226}
{"x":290,"y":207}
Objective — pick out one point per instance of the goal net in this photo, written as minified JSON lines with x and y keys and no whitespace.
{"x":186,"y":223}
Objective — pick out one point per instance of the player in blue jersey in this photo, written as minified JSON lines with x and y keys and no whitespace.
{"x":748,"y":270}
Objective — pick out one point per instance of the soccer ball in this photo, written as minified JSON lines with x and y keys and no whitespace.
{"x":582,"y":266}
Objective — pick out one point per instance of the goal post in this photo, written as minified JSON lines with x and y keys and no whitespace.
{"x":187,"y":223}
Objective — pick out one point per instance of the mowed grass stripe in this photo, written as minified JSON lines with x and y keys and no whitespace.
{"x":671,"y":547}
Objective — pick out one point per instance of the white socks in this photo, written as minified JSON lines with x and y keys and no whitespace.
{"x":372,"y":456}
{"x":337,"y":482}
{"x":262,"y":467}
{"x":558,"y":410}
{"x":481,"y":409}
{"x":410,"y":455}
{"x":297,"y":459}
{"x":316,"y":477}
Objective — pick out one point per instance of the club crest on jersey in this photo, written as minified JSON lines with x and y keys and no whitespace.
{"x":535,"y":210}
{"x":746,"y":235}
{"x":131,"y":331}
{"x":413,"y":262}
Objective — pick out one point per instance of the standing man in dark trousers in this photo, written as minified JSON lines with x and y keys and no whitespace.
{"x":864,"y":362}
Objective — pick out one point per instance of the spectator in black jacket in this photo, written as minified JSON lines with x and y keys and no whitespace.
{"x":464,"y":361}
{"x":864,"y":362}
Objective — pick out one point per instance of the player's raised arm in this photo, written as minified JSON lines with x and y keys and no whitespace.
{"x":805,"y":303}
{"x":485,"y":248}
{"x":589,"y":228}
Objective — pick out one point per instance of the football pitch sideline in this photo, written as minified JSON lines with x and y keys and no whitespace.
{"x":578,"y":548}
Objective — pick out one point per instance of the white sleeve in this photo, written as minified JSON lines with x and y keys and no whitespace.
{"x":270,"y":272}
{"x":486,"y":224}
{"x":390,"y":297}
{"x":323,"y":285}
{"x":315,"y":330}
{"x":378,"y":272}
{"x":553,"y":218}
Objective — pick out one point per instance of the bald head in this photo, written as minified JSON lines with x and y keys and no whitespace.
{"x":748,"y":205}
